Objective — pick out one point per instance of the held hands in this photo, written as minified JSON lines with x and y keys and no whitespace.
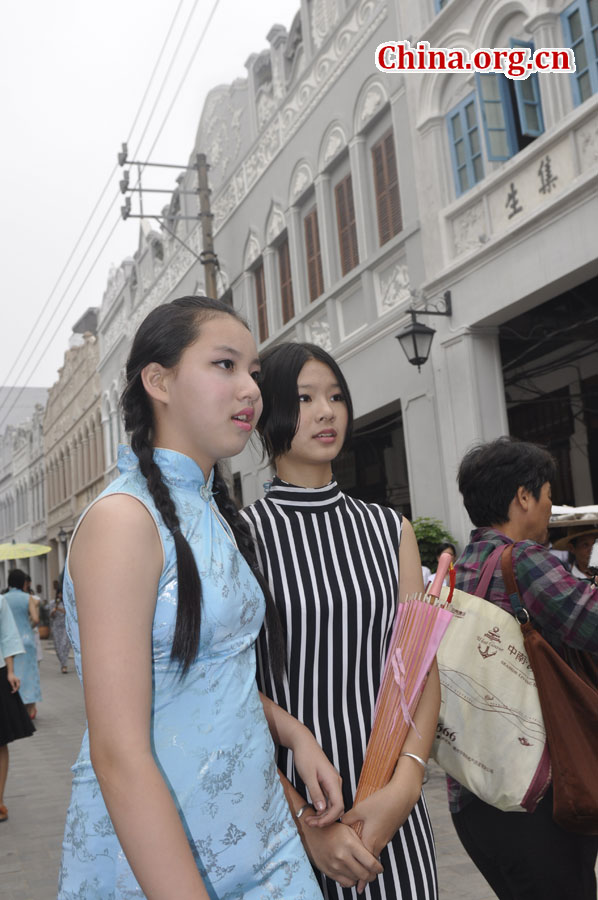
{"x":337,"y":851}
{"x":382,"y":814}
{"x":319,"y":776}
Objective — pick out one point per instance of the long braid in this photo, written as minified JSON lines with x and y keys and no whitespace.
{"x":188,"y":618}
{"x":243,"y":537}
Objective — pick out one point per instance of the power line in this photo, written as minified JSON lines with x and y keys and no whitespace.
{"x":109,"y":181}
{"x":66,"y":312}
{"x":162,"y":126}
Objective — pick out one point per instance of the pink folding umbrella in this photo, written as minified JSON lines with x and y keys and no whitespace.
{"x":420,"y":623}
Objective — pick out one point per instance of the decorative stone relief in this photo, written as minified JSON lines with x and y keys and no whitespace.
{"x":374,"y":100}
{"x":303,"y":178}
{"x":319,"y":330}
{"x":116,"y":327}
{"x":469,"y":229}
{"x":252,"y":251}
{"x":266,"y":104}
{"x":336,"y":141}
{"x":116,"y":281}
{"x":587,"y":141}
{"x":395,"y":287}
{"x":276,"y":225}
{"x":362,"y":21}
{"x":221,"y":135}
{"x":324,"y":16}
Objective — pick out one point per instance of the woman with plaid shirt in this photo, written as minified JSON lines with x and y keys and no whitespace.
{"x":506,"y":488}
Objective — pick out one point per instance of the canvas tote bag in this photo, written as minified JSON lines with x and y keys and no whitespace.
{"x":490,"y":735}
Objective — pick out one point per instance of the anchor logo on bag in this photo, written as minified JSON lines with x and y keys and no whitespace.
{"x":489,"y":642}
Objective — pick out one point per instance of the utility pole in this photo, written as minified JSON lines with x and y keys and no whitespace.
{"x":207,"y":256}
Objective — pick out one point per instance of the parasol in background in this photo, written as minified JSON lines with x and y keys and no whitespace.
{"x":420,"y":623}
{"x":22,"y":551}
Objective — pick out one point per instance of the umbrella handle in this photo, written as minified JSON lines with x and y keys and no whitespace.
{"x":444,"y":562}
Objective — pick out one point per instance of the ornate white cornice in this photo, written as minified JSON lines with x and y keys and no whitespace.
{"x":335,"y":56}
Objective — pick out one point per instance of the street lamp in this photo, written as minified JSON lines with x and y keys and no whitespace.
{"x":416,"y":338}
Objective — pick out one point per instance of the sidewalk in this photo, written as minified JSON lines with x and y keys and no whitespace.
{"x":38,"y":791}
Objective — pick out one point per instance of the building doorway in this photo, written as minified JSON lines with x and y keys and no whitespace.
{"x":374,"y":467}
{"x":550,"y":370}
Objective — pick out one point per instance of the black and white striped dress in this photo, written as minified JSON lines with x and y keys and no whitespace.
{"x":332,"y":565}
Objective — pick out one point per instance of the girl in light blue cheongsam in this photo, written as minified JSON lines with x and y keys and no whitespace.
{"x":175,"y":790}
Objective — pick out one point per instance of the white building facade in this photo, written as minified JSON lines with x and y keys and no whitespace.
{"x":342,"y":196}
{"x":22,"y":500}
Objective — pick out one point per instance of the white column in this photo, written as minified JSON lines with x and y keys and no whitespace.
{"x":556,"y":91}
{"x":244,"y":300}
{"x":272,"y":284}
{"x":100,"y":464}
{"x":471,"y":405}
{"x":404,"y":144}
{"x":114,"y":432}
{"x":327,"y":230}
{"x":363,"y":201}
{"x":108,"y":460}
{"x":297,"y":256}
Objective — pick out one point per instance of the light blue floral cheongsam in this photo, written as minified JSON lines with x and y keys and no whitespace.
{"x":209,"y":733}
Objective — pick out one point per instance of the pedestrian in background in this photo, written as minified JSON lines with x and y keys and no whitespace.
{"x":28,"y":588}
{"x":15,"y":722}
{"x":24,"y":610}
{"x":579,"y":541}
{"x":175,"y":790}
{"x":506,"y":488}
{"x":62,"y":645}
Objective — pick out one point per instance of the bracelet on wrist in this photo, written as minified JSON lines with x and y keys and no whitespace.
{"x":422,"y":763}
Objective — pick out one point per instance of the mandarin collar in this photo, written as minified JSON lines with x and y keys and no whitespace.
{"x":295,"y":497}
{"x":177,"y":469}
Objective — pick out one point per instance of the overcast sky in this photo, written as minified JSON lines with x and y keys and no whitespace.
{"x":72,"y":78}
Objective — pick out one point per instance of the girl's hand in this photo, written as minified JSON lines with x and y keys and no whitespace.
{"x":319,"y":776}
{"x":383,"y":813}
{"x":337,"y":851}
{"x":15,"y":683}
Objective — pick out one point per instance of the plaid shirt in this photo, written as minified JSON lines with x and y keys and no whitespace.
{"x":563,"y":608}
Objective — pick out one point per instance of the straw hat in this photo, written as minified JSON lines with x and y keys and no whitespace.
{"x":573,"y":532}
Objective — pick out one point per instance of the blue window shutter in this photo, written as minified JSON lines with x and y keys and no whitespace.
{"x":527,"y":92}
{"x":464,"y":140}
{"x":580,"y":31}
{"x":497,"y":116}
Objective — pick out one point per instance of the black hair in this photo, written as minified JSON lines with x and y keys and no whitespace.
{"x":491,"y":474}
{"x":17,"y":579}
{"x":445,"y":545}
{"x":162,"y":337}
{"x":279,"y":420}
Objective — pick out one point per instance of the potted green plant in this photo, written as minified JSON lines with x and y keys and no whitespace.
{"x":430,"y":533}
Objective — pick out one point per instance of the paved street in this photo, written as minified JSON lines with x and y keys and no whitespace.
{"x":39,"y":787}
